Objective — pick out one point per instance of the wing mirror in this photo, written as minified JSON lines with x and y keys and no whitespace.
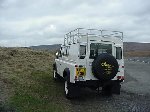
{"x":57,"y":54}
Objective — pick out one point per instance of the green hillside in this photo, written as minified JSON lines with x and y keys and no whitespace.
{"x":26,"y":82}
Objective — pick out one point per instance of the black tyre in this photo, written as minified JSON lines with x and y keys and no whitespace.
{"x":105,"y":67}
{"x":71,"y":90}
{"x":107,"y":90}
{"x":116,"y":88}
{"x":55,"y":75}
{"x":68,"y":88}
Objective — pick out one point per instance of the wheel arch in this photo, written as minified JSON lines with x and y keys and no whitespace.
{"x":54,"y":66}
{"x":66,"y":73}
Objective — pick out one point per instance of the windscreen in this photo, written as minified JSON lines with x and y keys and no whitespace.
{"x":99,"y":48}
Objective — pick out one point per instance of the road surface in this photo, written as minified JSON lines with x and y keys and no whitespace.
{"x":137,"y":77}
{"x":134,"y":97}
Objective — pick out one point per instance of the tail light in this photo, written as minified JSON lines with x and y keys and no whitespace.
{"x":76,"y":78}
{"x":120,"y":77}
{"x":76,"y":65}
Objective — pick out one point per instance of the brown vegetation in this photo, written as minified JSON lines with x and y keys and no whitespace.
{"x":137,"y":54}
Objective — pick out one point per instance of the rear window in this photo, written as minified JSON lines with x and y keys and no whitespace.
{"x":99,"y":48}
{"x":118,"y":53}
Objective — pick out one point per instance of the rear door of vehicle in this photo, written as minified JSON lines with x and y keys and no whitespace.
{"x":104,"y":47}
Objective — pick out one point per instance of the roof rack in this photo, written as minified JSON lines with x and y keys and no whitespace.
{"x":73,"y":36}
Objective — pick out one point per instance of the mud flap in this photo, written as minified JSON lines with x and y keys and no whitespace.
{"x":74,"y":91}
{"x":107,"y":88}
{"x":116,"y":88}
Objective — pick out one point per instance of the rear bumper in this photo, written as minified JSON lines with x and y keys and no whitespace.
{"x":94,"y":84}
{"x":97,"y":83}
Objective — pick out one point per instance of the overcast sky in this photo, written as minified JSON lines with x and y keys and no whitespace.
{"x":39,"y":22}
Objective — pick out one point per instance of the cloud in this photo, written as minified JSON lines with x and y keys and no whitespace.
{"x":46,"y":21}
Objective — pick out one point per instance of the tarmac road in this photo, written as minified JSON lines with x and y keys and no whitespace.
{"x":137,"y":77}
{"x":134,"y":97}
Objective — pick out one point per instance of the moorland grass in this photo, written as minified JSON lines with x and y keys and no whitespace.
{"x":29,"y":74}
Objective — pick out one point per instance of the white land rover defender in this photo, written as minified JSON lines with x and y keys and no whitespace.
{"x":91,"y":58}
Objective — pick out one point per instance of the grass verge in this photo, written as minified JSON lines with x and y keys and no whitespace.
{"x":29,"y":73}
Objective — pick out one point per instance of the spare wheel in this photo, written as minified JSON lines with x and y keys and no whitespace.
{"x":105,"y":67}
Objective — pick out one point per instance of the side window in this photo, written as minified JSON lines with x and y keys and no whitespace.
{"x":118,"y":53}
{"x":65,"y":51}
{"x":62,"y":51}
{"x":82,"y":51}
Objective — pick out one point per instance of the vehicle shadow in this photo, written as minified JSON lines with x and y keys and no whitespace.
{"x":92,"y":101}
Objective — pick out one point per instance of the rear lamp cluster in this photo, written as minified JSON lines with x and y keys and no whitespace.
{"x":78,"y":65}
{"x":120,"y":77}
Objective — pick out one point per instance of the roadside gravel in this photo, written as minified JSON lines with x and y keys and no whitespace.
{"x":134,"y":97}
{"x":126,"y":102}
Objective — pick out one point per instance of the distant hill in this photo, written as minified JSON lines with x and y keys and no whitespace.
{"x":134,"y":46}
{"x":46,"y":47}
{"x":132,"y":49}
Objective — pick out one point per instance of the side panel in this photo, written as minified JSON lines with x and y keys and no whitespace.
{"x":57,"y":65}
{"x":120,"y":62}
{"x":73,"y":52}
{"x":64,"y":63}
